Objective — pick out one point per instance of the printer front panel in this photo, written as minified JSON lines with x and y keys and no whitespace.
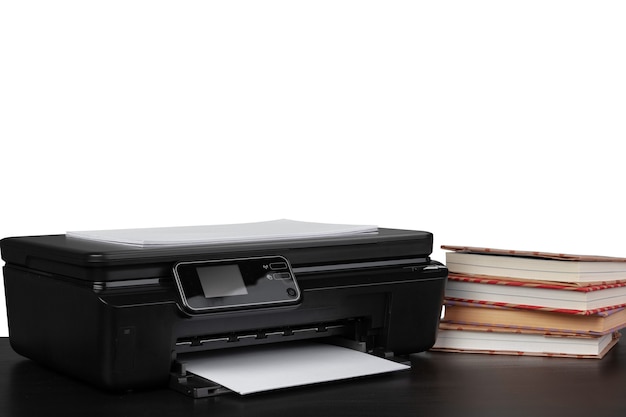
{"x":390,"y":309}
{"x":128,"y":336}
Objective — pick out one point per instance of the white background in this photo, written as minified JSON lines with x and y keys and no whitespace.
{"x":488,"y":123}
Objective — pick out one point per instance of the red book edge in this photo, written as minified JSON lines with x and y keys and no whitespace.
{"x":483,"y":304}
{"x":532,"y":254}
{"x":538,"y":308}
{"x":483,"y":279}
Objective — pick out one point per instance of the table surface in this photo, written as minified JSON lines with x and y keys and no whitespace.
{"x":438,"y":384}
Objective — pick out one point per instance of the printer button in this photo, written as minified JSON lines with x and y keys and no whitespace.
{"x":277,"y":266}
{"x":282,"y":275}
{"x":291,"y":292}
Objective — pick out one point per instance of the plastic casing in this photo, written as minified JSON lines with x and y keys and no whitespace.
{"x":110,"y":314}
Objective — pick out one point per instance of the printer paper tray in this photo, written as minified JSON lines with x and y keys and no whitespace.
{"x":195,"y":386}
{"x":250,"y":370}
{"x":199,"y":387}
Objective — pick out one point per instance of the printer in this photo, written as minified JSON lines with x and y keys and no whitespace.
{"x":124,"y":317}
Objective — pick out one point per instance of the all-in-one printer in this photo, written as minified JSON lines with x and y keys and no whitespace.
{"x":124,"y":317}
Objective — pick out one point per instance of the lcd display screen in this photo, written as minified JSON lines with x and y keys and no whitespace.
{"x":221,"y":281}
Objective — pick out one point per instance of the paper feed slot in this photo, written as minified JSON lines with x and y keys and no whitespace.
{"x":345,"y":328}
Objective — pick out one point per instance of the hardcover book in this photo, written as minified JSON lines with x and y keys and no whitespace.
{"x":544,"y":266}
{"x":548,"y":321}
{"x":534,"y":295}
{"x":493,"y":340}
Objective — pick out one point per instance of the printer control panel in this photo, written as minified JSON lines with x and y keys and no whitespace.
{"x":213,"y":285}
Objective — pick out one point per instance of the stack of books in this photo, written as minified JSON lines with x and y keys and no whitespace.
{"x":532,"y":303}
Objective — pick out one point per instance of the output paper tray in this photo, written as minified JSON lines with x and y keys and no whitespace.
{"x":277,"y":366}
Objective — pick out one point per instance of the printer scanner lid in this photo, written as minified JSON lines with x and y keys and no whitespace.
{"x":101,"y":261}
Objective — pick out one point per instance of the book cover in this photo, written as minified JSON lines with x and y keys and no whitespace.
{"x":533,"y":254}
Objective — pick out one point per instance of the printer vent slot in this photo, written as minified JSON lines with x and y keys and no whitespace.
{"x":209,"y":342}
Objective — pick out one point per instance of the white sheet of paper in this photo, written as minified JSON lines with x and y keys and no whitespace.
{"x":225,"y":233}
{"x":264,"y":368}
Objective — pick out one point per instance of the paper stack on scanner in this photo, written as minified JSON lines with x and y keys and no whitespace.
{"x":224,"y":233}
{"x":215,"y":309}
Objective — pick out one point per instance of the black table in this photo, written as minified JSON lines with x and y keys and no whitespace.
{"x":439,"y":384}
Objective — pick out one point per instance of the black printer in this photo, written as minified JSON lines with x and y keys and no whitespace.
{"x":124,"y":317}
